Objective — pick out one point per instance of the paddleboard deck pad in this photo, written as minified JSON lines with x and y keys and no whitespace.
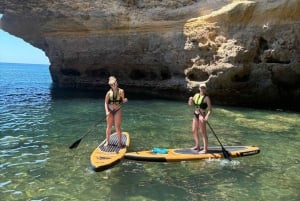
{"x":104,"y":157}
{"x":186,"y":154}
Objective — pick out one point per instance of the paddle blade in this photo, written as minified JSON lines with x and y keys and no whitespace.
{"x":75,"y":144}
{"x":226,"y":154}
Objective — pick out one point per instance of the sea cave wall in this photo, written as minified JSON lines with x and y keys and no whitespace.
{"x":247,"y":52}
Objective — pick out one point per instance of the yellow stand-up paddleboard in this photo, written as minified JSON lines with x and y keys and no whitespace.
{"x":104,"y":157}
{"x":186,"y":154}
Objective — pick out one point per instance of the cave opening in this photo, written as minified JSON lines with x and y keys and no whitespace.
{"x":16,"y":50}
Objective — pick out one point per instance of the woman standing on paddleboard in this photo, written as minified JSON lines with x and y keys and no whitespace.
{"x":113,"y":100}
{"x":203,"y":109}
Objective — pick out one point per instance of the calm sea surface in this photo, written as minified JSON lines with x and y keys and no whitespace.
{"x":38,"y":124}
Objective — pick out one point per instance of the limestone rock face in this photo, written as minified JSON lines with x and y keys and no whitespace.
{"x":247,"y":52}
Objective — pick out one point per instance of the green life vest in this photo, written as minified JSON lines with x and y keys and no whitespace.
{"x":198,"y":101}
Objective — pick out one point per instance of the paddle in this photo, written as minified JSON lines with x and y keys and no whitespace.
{"x":77,"y":142}
{"x":225,"y":152}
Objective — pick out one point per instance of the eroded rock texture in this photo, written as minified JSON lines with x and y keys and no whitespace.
{"x":246,"y":51}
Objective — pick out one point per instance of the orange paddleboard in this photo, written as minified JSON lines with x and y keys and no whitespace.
{"x":186,"y":154}
{"x":104,"y":157}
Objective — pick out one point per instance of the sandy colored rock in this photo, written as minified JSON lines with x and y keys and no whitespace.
{"x":247,"y":52}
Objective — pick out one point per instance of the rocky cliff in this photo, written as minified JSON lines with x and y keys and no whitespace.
{"x":247,"y":52}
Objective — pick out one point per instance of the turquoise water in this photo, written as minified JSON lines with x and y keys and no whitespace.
{"x":38,"y":124}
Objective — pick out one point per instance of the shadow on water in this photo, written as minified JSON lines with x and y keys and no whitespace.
{"x":138,"y":94}
{"x":71,"y":93}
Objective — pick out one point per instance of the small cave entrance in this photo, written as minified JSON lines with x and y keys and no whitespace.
{"x":197,"y":75}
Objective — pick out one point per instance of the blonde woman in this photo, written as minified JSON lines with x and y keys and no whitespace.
{"x":113,"y":100}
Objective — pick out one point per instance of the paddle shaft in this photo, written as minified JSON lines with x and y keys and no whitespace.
{"x":214,"y":134}
{"x":225,"y":152}
{"x":76,"y":143}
